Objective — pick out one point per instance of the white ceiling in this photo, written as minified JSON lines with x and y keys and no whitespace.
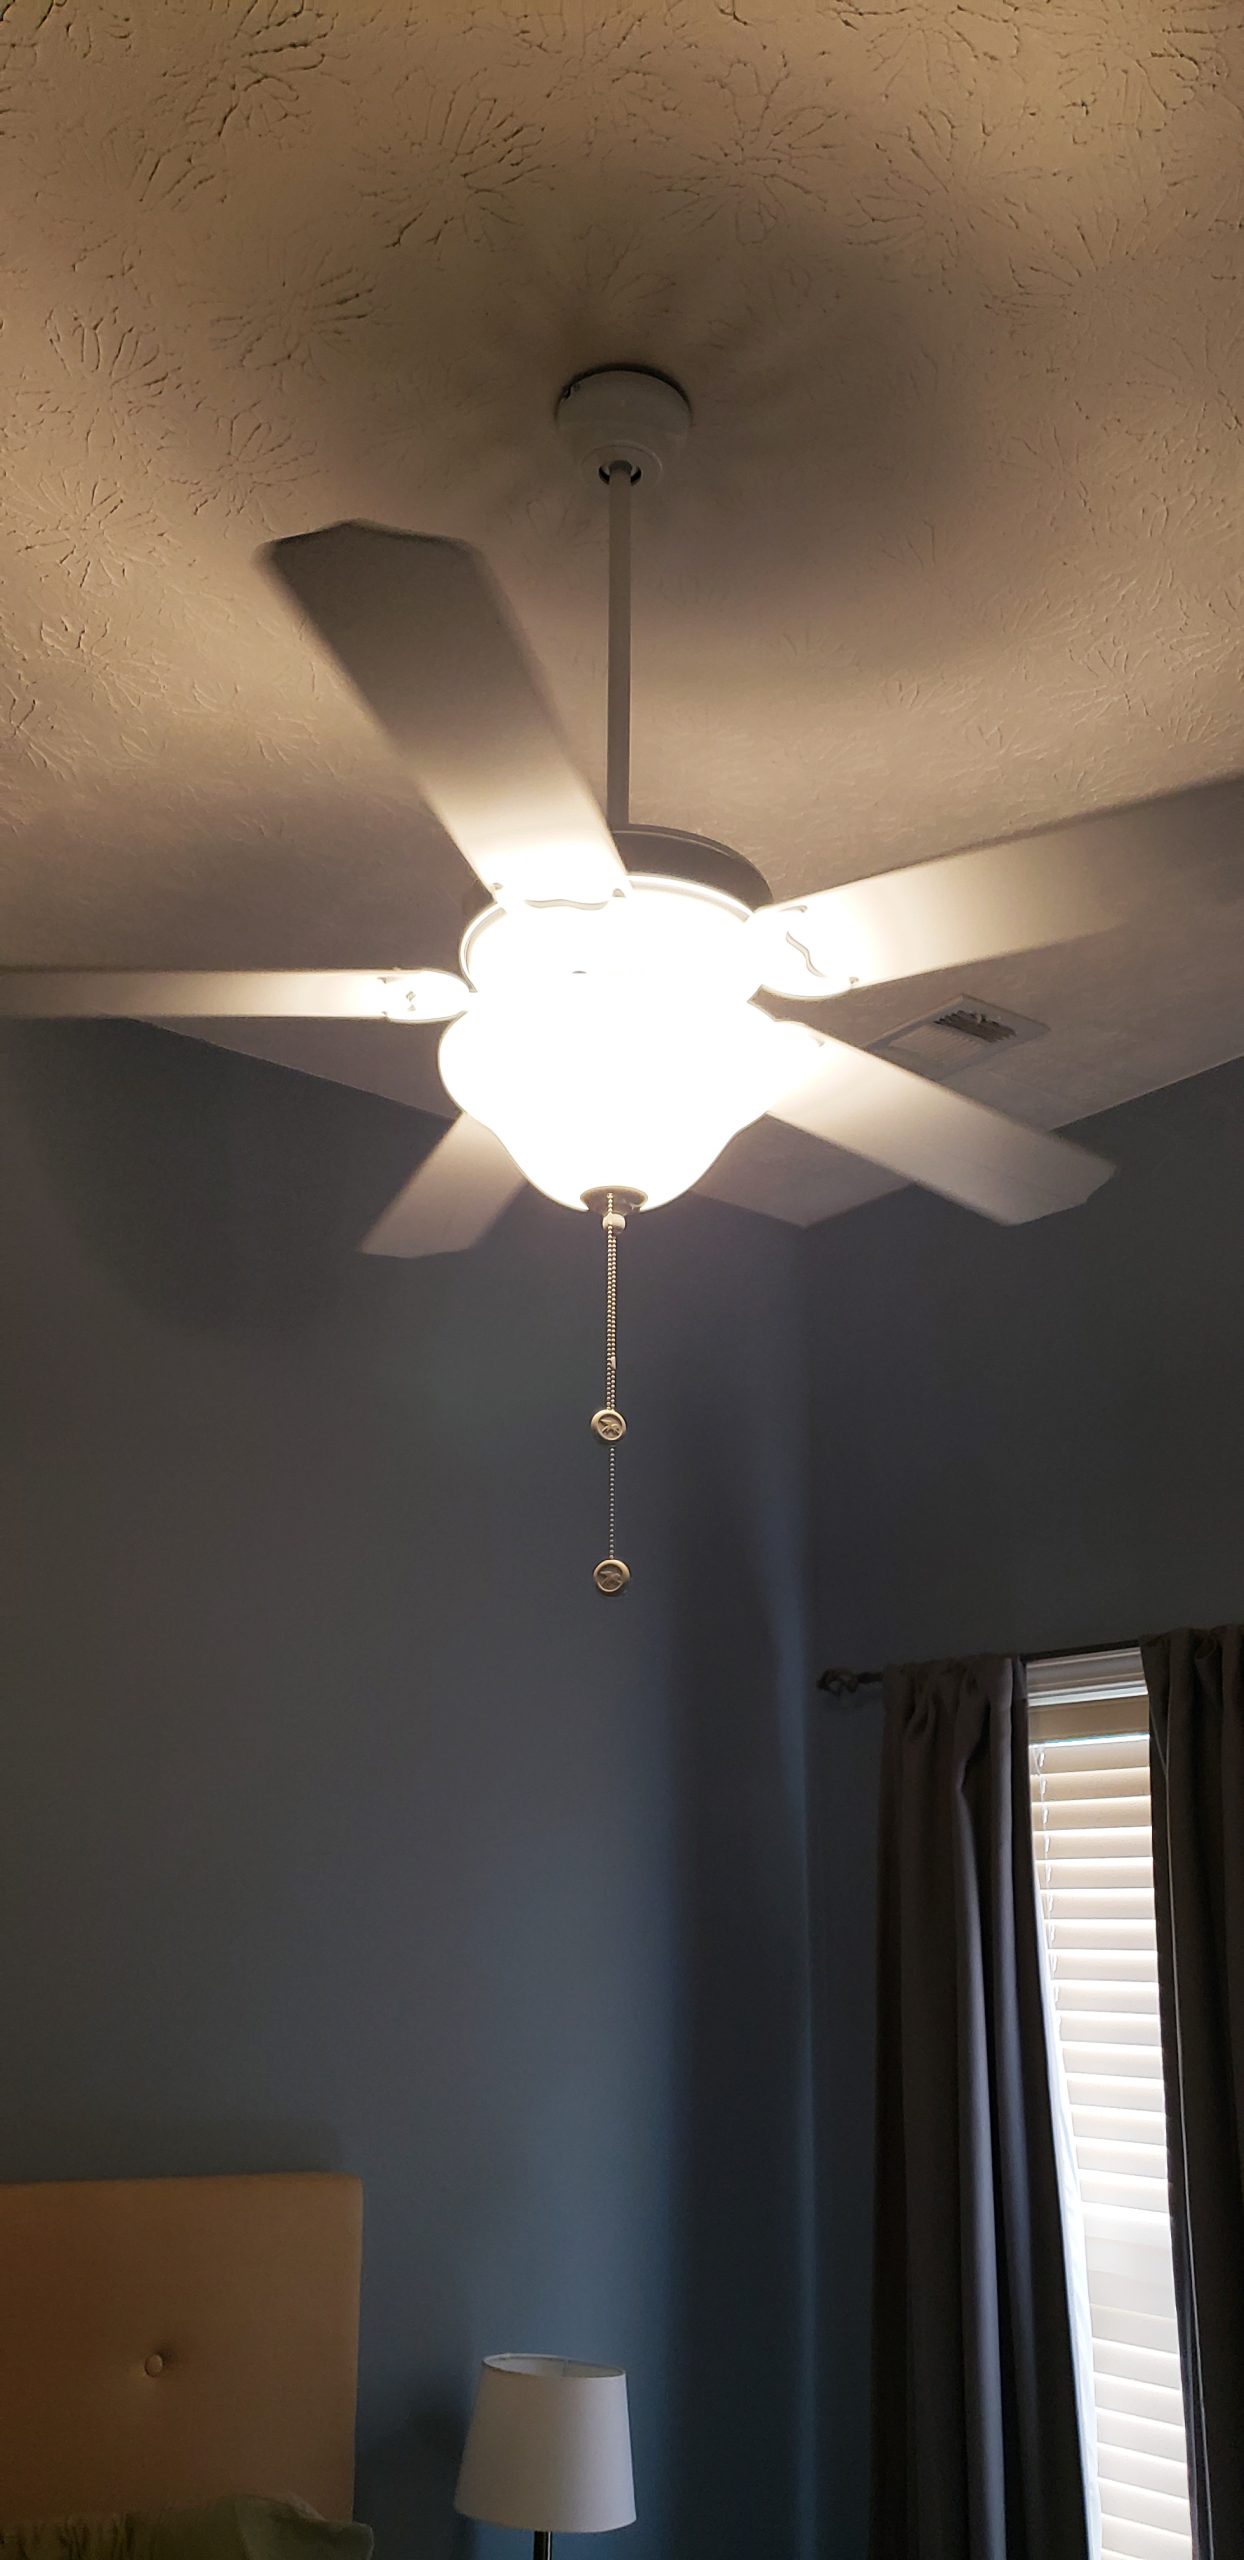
{"x":955,"y":292}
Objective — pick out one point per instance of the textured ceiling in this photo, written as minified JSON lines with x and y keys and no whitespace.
{"x":955,"y":291}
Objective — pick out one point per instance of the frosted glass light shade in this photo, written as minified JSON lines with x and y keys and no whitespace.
{"x":614,"y":1048}
{"x":614,"y":1090}
{"x":548,"y":2449}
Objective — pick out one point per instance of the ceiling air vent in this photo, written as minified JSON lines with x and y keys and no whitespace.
{"x":960,"y":1035}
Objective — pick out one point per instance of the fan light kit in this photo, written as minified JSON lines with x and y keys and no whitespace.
{"x":604,"y":1039}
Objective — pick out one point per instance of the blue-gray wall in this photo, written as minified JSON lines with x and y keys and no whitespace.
{"x":344,"y":1823}
{"x":1025,"y":1438}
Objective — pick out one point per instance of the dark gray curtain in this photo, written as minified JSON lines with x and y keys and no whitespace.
{"x":975,"y":2435}
{"x":1196,"y":1691}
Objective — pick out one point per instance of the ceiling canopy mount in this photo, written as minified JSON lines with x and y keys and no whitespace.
{"x":625,"y":414}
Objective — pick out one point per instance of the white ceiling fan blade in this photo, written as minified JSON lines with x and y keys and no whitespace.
{"x":944,"y":1140}
{"x":1054,"y":886}
{"x":154,"y":995}
{"x":458,"y":1192}
{"x":422,"y":632}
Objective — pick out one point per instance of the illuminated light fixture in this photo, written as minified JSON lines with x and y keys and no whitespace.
{"x":619,"y":1051}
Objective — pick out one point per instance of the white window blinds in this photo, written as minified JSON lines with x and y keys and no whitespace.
{"x":1089,"y":1753}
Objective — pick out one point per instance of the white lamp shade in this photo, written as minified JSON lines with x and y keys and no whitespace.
{"x":549,"y":2447}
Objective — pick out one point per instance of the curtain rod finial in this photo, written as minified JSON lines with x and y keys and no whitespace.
{"x":840,"y":1683}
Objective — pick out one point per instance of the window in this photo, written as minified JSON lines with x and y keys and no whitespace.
{"x":1089,"y":1754}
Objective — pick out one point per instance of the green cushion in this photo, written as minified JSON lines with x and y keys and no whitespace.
{"x":228,"y":2529}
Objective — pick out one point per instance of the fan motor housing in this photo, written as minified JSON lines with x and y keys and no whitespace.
{"x":672,"y":853}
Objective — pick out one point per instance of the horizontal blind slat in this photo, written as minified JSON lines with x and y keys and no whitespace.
{"x":1144,"y":2546}
{"x":1071,"y":1788}
{"x":1075,"y":1759}
{"x":1144,"y":2435}
{"x":1131,"y":2321}
{"x":1080,"y":1999}
{"x":1110,"y":2022}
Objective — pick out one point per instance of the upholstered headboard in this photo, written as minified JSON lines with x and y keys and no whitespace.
{"x":166,"y":2340}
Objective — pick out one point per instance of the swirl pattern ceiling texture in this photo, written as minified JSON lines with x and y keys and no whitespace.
{"x":955,"y":293}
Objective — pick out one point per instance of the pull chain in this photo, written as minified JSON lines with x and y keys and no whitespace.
{"x":611,"y":1574}
{"x":611,"y":1371}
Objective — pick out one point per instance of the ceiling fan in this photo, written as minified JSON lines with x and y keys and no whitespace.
{"x":604,"y":1039}
{"x":604,"y":1035}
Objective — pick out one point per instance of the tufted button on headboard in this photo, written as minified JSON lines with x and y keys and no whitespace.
{"x":169,"y":2340}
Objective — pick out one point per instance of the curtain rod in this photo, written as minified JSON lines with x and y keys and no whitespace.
{"x":840,"y":1683}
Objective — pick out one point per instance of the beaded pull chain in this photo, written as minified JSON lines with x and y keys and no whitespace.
{"x":609,"y":1425}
